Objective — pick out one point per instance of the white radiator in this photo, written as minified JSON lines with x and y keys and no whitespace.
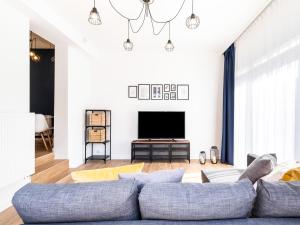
{"x":16,"y":147}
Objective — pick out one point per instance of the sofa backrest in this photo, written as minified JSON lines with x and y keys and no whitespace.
{"x":81,"y":202}
{"x":119,"y":200}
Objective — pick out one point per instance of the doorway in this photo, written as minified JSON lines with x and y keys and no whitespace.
{"x":42,"y":78}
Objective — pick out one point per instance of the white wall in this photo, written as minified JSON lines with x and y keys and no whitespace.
{"x":14,"y":101}
{"x":79,"y":98}
{"x":60,"y":148}
{"x":201,"y":70}
{"x":14,"y":69}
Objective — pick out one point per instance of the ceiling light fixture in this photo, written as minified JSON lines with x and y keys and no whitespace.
{"x":169,"y":46}
{"x":128,"y":45}
{"x":33,"y":55}
{"x":192,"y":22}
{"x":94,"y":17}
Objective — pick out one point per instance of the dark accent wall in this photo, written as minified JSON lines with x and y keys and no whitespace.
{"x":42,"y":83}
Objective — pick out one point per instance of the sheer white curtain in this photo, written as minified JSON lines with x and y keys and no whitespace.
{"x":267,"y":85}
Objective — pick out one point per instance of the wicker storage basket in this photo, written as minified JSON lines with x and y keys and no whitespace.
{"x":97,"y":119}
{"x":96,"y":135}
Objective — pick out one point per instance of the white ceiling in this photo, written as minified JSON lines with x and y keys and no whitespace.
{"x":221,"y":22}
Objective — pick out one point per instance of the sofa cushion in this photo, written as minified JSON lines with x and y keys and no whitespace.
{"x":187,"y":201}
{"x":259,"y":168}
{"x":161,"y":176}
{"x":250,"y":221}
{"x":277,"y":199}
{"x":50,"y":203}
{"x":292,"y":175}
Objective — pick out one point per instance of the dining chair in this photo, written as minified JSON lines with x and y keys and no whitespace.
{"x":42,"y":128}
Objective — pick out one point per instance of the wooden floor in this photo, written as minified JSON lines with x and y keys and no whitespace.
{"x":192,"y":174}
{"x":40,"y":149}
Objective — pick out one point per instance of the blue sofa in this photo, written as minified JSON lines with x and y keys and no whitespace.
{"x":122,"y":203}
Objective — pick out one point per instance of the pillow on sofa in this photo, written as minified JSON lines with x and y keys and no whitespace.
{"x":292,"y":175}
{"x":280,"y":170}
{"x":84,"y":202}
{"x":259,"y":168}
{"x":161,"y":176}
{"x":277,"y":199}
{"x":188,"y":201}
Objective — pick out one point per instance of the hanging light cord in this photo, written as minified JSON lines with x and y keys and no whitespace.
{"x":156,"y":21}
{"x":126,"y":16}
{"x":94,"y":3}
{"x":169,"y":31}
{"x":128,"y":29}
{"x":153,"y":21}
{"x":192,"y":6}
{"x":140,"y":27}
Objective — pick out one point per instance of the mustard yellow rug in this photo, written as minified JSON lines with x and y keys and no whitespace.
{"x":105,"y":174}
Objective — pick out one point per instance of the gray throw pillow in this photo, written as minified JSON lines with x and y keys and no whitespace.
{"x":188,"y":201}
{"x":277,"y":199}
{"x":259,"y":168}
{"x":161,"y":176}
{"x":81,"y":202}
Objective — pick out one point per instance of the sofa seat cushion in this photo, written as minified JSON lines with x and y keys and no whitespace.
{"x":220,"y":175}
{"x":161,"y":176}
{"x":277,"y":199}
{"x":52,"y":203}
{"x":187,"y":201}
{"x":105,"y":174}
{"x":252,"y":221}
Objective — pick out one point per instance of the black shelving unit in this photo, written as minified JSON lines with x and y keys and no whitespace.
{"x":106,"y":142}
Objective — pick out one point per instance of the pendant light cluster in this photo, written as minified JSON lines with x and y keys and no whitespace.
{"x":32,"y":54}
{"x":192,"y":22}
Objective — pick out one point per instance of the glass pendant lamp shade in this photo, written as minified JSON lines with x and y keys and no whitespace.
{"x":128,"y":45}
{"x":94,"y":17}
{"x":147,"y":1}
{"x":31,"y":53}
{"x":36,"y":58}
{"x":193,"y":21}
{"x":169,"y":46}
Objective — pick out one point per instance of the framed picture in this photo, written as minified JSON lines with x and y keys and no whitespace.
{"x":173,"y":87}
{"x":166,"y":96}
{"x":132,"y":91}
{"x":167,"y":88}
{"x":156,"y":91}
{"x":173,"y":95}
{"x":144,"y":91}
{"x":182,"y":92}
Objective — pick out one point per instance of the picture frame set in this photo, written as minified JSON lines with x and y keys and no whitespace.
{"x":159,"y":92}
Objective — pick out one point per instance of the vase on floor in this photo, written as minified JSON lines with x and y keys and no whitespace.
{"x":214,"y":154}
{"x":202,"y":157}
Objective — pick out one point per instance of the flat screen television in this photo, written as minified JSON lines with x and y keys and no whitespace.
{"x":161,"y":125}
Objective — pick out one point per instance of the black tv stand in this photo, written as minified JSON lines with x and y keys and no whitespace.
{"x":151,"y":150}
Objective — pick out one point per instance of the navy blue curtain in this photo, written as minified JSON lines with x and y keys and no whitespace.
{"x":228,"y":107}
